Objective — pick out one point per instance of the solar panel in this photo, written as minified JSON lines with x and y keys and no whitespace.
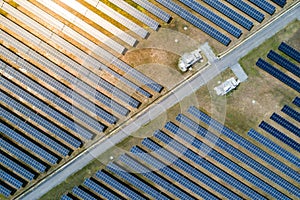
{"x":208,"y":151}
{"x":65,"y":197}
{"x":5,"y":191}
{"x":296,"y":101}
{"x":230,"y":13}
{"x":154,"y":10}
{"x":19,"y":139}
{"x":284,"y":62}
{"x":181,"y":149}
{"x":274,"y":147}
{"x":10,"y":179}
{"x":264,"y":5}
{"x":136,"y":182}
{"x":136,"y":14}
{"x":290,"y":51}
{"x":171,"y":173}
{"x":119,"y":18}
{"x":117,"y":185}
{"x":291,"y":112}
{"x":242,"y":156}
{"x":189,"y":17}
{"x":82,"y":194}
{"x":147,"y":173}
{"x":281,"y":3}
{"x":122,"y":35}
{"x":250,"y":11}
{"x":280,"y":136}
{"x":22,"y":156}
{"x":99,"y":189}
{"x":278,"y":74}
{"x":189,"y":169}
{"x":286,"y":124}
{"x":5,"y":161}
{"x":208,"y":14}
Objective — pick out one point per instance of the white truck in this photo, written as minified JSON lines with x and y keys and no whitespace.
{"x":227,"y":86}
{"x":188,"y":59}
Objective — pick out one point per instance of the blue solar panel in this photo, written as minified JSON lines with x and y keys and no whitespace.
{"x":10,"y":179}
{"x":117,"y":185}
{"x":208,"y":14}
{"x":284,"y":62}
{"x":206,"y":150}
{"x":274,"y":147}
{"x":296,"y":101}
{"x":82,"y":194}
{"x":55,"y":99}
{"x":279,"y":135}
{"x":19,"y":139}
{"x":230,"y":13}
{"x":171,"y":173}
{"x":250,"y":11}
{"x":189,"y":17}
{"x":65,"y":197}
{"x":242,"y":156}
{"x":15,"y":167}
{"x":146,"y":172}
{"x":136,"y":182}
{"x":291,"y":112}
{"x":199,"y":160}
{"x":281,"y":3}
{"x":189,"y":169}
{"x":278,"y":74}
{"x":22,"y":156}
{"x":264,"y":5}
{"x":63,"y":135}
{"x":286,"y":124}
{"x":290,"y":51}
{"x":5,"y":191}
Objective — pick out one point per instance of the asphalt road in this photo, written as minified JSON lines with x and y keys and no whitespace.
{"x":185,"y":89}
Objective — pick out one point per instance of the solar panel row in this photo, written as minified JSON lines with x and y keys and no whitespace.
{"x":181,"y":149}
{"x":5,"y":191}
{"x":281,"y":3}
{"x":284,"y":62}
{"x":5,"y":161}
{"x":278,"y":74}
{"x":279,"y":135}
{"x":211,"y":16}
{"x":290,"y":51}
{"x":118,"y":186}
{"x":291,"y":112}
{"x":22,"y":141}
{"x":189,"y":17}
{"x":189,"y":169}
{"x":10,"y":179}
{"x":264,"y":5}
{"x":250,"y":11}
{"x":296,"y":101}
{"x":286,"y":124}
{"x":230,"y":13}
{"x":154,"y":10}
{"x":136,"y":13}
{"x":65,"y":197}
{"x":208,"y":151}
{"x":135,"y":181}
{"x":245,"y":158}
{"x":146,"y":172}
{"x":274,"y":147}
{"x":82,"y":194}
{"x":175,"y":176}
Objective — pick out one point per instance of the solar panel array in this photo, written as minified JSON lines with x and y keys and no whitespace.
{"x":290,"y":51}
{"x":10,"y":179}
{"x":284,"y":62}
{"x":274,"y":147}
{"x":286,"y":124}
{"x":296,"y":101}
{"x":278,"y":74}
{"x":232,"y":14}
{"x":281,"y":3}
{"x":5,"y":191}
{"x":291,"y":112}
{"x":279,"y":135}
{"x":211,"y":16}
{"x":65,"y":197}
{"x":82,"y":194}
{"x":264,"y":5}
{"x":246,"y":8}
{"x":188,"y":16}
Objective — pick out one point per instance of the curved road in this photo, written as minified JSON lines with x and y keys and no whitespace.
{"x":185,"y":89}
